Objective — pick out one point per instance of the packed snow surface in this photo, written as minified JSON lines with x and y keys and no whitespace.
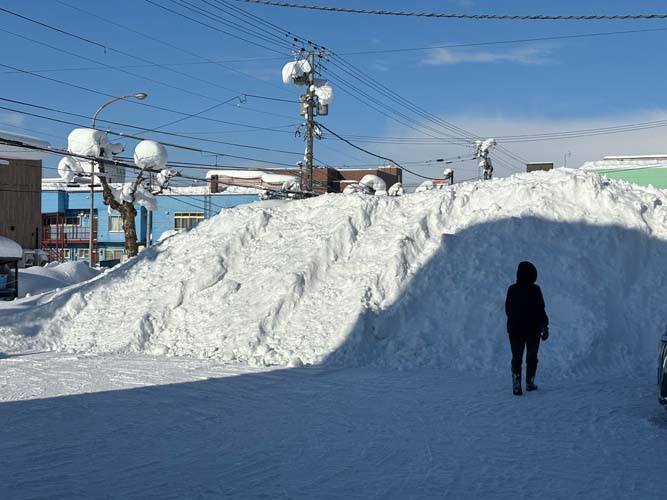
{"x":135,"y":427}
{"x":398,"y":282}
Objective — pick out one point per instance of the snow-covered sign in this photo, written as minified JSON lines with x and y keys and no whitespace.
{"x":296,"y":72}
{"x":9,"y":249}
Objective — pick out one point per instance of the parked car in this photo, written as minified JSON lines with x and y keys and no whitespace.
{"x":662,"y":370}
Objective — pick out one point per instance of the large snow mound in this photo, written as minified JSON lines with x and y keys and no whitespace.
{"x":413,"y":281}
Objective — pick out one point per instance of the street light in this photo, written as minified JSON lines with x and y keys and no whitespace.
{"x":140,"y":96}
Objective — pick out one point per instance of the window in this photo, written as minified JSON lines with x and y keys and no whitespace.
{"x":66,"y":253}
{"x":82,"y":253}
{"x":186,"y":220}
{"x":73,"y":221}
{"x":115,"y":254}
{"x":115,"y":224}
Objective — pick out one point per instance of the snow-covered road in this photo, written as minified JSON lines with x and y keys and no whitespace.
{"x":121,"y":427}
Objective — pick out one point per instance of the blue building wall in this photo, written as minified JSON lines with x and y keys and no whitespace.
{"x":77,"y":203}
{"x":209,"y":205}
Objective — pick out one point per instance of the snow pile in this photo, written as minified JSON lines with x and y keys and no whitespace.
{"x":402,"y":282}
{"x":90,"y":142}
{"x":425,"y":186}
{"x":150,"y":155}
{"x":10,"y":249}
{"x":138,"y":195}
{"x":36,"y":280}
{"x":396,"y":190}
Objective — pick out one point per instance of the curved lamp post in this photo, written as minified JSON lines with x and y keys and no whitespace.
{"x":138,"y":95}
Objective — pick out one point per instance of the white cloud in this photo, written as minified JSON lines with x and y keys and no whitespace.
{"x":14,"y":119}
{"x":534,"y":54}
{"x":581,"y":149}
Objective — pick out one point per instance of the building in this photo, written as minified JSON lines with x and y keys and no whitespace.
{"x":66,"y":219}
{"x":20,"y":186}
{"x":539,"y":167}
{"x":643,"y":170}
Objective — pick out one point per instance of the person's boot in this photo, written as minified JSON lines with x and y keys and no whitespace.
{"x":530,"y":384}
{"x":516,"y":384}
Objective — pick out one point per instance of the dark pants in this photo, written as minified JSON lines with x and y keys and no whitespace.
{"x":531,"y":343}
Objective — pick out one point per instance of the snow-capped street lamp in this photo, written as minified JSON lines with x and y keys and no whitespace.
{"x":137,"y":95}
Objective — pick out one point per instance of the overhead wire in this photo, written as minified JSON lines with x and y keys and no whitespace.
{"x":445,"y":15}
{"x":121,"y":134}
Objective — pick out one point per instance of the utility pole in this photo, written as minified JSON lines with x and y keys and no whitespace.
{"x":149,"y":216}
{"x":91,"y":217}
{"x":310,"y":122}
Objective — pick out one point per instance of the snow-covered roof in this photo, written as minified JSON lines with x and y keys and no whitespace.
{"x":9,"y":249}
{"x":268,"y":177}
{"x":625,"y":163}
{"x":19,"y":153}
{"x":58,"y":184}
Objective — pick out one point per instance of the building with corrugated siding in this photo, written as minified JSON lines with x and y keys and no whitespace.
{"x":20,"y":186}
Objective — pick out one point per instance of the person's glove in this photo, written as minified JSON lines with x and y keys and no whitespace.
{"x":545,"y":333}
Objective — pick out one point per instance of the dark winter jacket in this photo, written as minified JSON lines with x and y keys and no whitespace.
{"x":524,"y":304}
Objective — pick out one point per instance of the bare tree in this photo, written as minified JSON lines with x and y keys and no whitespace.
{"x":118,"y":193}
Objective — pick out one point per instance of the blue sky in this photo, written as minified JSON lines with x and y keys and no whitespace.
{"x":491,"y":90}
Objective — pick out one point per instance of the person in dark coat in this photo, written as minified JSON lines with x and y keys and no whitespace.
{"x":527,"y":322}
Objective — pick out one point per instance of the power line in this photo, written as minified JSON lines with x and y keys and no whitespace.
{"x":126,"y":54}
{"x":499,"y":42}
{"x":120,"y":134}
{"x":176,"y":47}
{"x":370,"y":153}
{"x":376,"y":86}
{"x":539,"y":17}
{"x":215,"y":28}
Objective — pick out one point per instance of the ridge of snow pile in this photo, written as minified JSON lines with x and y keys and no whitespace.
{"x":400,"y":282}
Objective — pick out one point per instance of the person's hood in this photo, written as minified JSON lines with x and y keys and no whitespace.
{"x":526,"y":273}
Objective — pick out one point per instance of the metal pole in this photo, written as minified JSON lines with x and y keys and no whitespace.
{"x":310,"y":124}
{"x":92,"y":209}
{"x":149,"y":217}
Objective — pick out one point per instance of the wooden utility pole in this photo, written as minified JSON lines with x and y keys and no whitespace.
{"x":310,"y":122}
